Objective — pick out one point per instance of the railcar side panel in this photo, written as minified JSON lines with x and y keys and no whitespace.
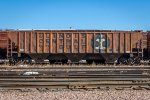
{"x":148,"y":43}
{"x":81,"y":42}
{"x":3,"y":40}
{"x":89,"y":43}
{"x":75,"y":43}
{"x":72,"y":43}
{"x":109,"y":45}
{"x":115,"y":42}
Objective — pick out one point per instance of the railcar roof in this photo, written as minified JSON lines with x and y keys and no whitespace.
{"x":74,"y":30}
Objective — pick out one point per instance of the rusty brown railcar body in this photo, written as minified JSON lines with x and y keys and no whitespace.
{"x":74,"y":45}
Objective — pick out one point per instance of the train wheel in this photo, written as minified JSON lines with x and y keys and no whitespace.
{"x":27,"y":60}
{"x":137,"y":61}
{"x":123,"y":60}
{"x":52,"y":61}
{"x":131,"y":61}
{"x":64,"y":61}
{"x":89,"y":61}
{"x":97,"y":62}
{"x":12,"y":62}
{"x":134,"y":61}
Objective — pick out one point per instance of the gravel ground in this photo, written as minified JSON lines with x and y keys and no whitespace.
{"x":78,"y":95}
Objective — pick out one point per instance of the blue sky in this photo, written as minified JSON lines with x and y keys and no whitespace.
{"x":78,"y":14}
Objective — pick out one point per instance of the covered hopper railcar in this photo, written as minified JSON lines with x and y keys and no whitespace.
{"x":99,"y":46}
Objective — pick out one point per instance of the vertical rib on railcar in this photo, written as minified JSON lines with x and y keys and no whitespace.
{"x":3,"y":44}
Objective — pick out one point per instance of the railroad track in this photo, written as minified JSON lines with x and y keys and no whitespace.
{"x":76,"y":80}
{"x":25,"y":67}
{"x":41,"y":72}
{"x":73,"y":84}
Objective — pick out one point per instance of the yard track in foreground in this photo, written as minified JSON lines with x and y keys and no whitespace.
{"x":76,"y":80}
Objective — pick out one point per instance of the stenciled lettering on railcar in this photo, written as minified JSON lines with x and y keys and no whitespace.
{"x":61,"y":36}
{"x":100,"y":42}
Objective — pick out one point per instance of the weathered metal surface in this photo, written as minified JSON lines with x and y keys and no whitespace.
{"x":67,"y":41}
{"x":3,"y":40}
{"x":148,"y":43}
{"x":75,"y":45}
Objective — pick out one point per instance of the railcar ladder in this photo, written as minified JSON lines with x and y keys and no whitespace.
{"x":141,"y":45}
{"x":9,"y":49}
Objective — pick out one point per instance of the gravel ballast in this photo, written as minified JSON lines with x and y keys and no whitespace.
{"x":78,"y":95}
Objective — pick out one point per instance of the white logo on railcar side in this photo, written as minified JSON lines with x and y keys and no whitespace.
{"x":100,"y":42}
